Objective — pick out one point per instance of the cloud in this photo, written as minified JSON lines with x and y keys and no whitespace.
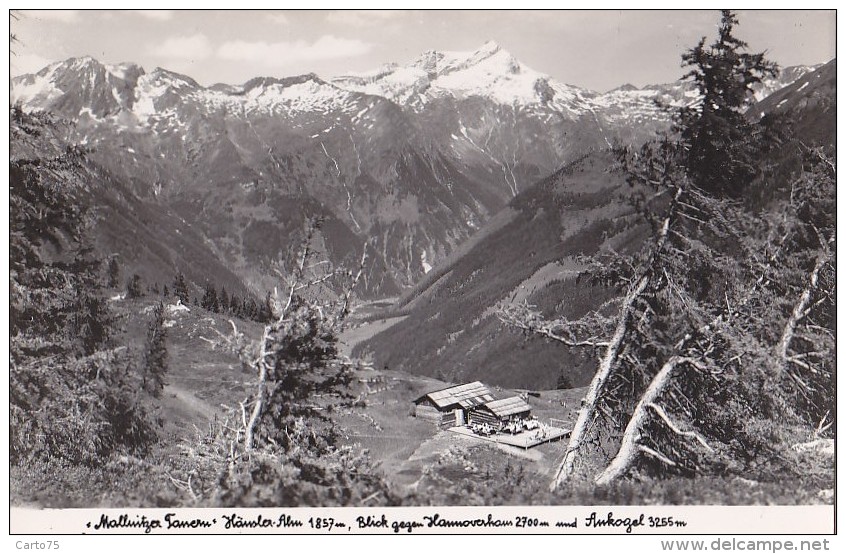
{"x":279,"y":18}
{"x":194,"y":47}
{"x":326,"y":47}
{"x":27,"y":63}
{"x":157,"y":15}
{"x":362,"y":18}
{"x":61,"y":16}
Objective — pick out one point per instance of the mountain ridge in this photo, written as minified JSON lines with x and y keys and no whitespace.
{"x":232,"y":157}
{"x":533,"y":251}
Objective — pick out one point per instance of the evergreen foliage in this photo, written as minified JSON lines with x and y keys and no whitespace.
{"x":155,"y":354}
{"x":134,"y":287}
{"x":721,"y":144}
{"x":223,"y":300}
{"x":114,"y":273}
{"x":74,"y":398}
{"x":180,"y":288}
{"x":209,"y":301}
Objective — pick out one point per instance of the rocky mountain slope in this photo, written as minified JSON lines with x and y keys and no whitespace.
{"x":533,"y":251}
{"x":409,"y":160}
{"x":144,"y":238}
{"x":810,"y":102}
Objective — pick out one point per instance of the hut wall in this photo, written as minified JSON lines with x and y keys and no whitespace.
{"x":483,"y":416}
{"x":447,"y":421}
{"x":428,"y":412}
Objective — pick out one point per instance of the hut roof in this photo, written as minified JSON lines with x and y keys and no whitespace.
{"x":508,"y":406}
{"x":467,"y":395}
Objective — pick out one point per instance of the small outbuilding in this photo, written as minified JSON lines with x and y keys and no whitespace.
{"x":451,"y":406}
{"x":498,"y":412}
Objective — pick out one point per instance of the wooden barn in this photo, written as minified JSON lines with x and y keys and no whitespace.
{"x":498,"y":412}
{"x":450,"y":407}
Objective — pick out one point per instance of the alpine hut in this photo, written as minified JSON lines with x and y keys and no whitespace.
{"x":450,"y":407}
{"x":498,"y":412}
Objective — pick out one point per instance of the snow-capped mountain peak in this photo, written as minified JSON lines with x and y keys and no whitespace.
{"x":489,"y":71}
{"x":437,"y":63}
{"x":411,"y":158}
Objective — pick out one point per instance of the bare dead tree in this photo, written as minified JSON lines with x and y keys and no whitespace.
{"x":307,"y":275}
{"x":801,"y":310}
{"x":661,"y":175}
{"x":695,"y":349}
{"x":301,"y":279}
{"x":630,"y":445}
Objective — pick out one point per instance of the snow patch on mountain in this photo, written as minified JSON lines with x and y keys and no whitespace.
{"x":122,"y":71}
{"x":490,"y":72}
{"x":34,"y":90}
{"x":300,"y":97}
{"x":149,"y":88}
{"x":786,"y":77}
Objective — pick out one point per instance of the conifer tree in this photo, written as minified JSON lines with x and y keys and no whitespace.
{"x":697,"y":355}
{"x":133,"y":287}
{"x":180,"y":288}
{"x":155,"y":353}
{"x":114,"y":273}
{"x":209,"y":300}
{"x":223,"y":300}
{"x":721,"y":143}
{"x":90,"y":321}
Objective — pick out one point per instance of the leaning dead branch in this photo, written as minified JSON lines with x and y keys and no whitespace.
{"x":597,"y":385}
{"x":800,"y":311}
{"x":609,"y":359}
{"x":573,"y":333}
{"x":305,"y":276}
{"x":630,"y":444}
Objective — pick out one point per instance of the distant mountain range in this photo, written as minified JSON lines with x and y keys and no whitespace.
{"x":408,"y":160}
{"x":531,"y":251}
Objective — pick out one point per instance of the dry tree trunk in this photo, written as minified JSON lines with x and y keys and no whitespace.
{"x":609,"y":359}
{"x":249,"y":430}
{"x":630,"y":447}
{"x":261,"y":360}
{"x":591,"y":399}
{"x":800,"y":310}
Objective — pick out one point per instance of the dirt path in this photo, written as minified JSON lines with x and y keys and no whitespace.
{"x":351,"y":337}
{"x":185,"y":408}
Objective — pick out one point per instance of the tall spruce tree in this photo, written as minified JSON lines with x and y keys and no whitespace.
{"x":133,"y":287}
{"x":155,"y":353}
{"x":721,"y":143}
{"x":114,"y":272}
{"x":684,"y":382}
{"x":180,"y":288}
{"x":223,"y":300}
{"x":209,"y":300}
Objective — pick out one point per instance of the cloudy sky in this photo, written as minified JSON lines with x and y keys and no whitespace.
{"x":594,"y":49}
